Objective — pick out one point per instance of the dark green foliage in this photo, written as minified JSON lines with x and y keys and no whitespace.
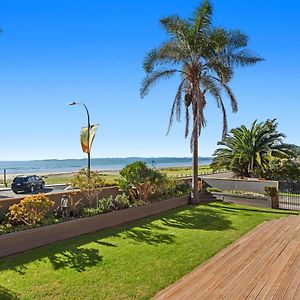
{"x":271,"y":191}
{"x":284,"y":169}
{"x":213,"y":189}
{"x":105,"y":205}
{"x":139,"y":181}
{"x":248,"y":152}
{"x":121,"y":202}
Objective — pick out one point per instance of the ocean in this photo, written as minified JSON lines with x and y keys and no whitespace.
{"x":53,"y":166}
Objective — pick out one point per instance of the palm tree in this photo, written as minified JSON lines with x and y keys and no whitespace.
{"x":248,"y":152}
{"x":204,"y":57}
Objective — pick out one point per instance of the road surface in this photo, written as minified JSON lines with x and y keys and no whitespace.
{"x":49,"y":189}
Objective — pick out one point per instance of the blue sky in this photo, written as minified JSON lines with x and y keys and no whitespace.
{"x":56,"y":51}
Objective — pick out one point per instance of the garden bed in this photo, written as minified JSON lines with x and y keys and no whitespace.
{"x":258,"y":201}
{"x":16,"y":242}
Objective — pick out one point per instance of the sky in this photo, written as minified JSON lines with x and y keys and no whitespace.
{"x":56,"y":51}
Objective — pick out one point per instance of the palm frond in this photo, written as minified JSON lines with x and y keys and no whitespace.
{"x":152,"y":78}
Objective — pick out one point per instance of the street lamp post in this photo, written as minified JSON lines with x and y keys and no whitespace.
{"x":89,"y":128}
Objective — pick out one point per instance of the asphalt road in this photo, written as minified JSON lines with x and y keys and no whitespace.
{"x":49,"y":189}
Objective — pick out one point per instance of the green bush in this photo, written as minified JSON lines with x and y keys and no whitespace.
{"x":139,"y":181}
{"x":271,"y":191}
{"x":284,"y":169}
{"x":213,"y":189}
{"x":90,"y":186}
{"x":121,"y":202}
{"x":89,"y":212}
{"x":105,"y":205}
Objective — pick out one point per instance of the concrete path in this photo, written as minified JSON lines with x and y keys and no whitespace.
{"x":263,"y":264}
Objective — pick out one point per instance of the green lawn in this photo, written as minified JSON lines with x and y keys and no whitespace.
{"x":129,"y":262}
{"x":111,"y":178}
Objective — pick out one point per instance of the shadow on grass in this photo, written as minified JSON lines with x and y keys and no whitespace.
{"x":149,"y":233}
{"x":71,"y":254}
{"x":78,"y":259}
{"x":6,"y":294}
{"x":201,"y":219}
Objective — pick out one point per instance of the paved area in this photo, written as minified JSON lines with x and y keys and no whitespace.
{"x":264,"y":264}
{"x":49,"y":189}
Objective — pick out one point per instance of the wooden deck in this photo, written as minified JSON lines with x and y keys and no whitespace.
{"x":263,"y":264}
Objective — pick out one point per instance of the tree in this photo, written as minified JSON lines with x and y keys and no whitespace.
{"x":248,"y":152}
{"x":204,"y":57}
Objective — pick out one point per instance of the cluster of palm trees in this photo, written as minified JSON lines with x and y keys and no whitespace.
{"x":249,"y":152}
{"x":204,"y":57}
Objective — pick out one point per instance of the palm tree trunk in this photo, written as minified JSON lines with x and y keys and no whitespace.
{"x":195,"y":189}
{"x":195,"y":192}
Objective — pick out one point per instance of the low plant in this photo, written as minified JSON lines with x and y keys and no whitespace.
{"x":30,"y":210}
{"x":213,"y":189}
{"x":105,"y":205}
{"x":90,"y":184}
{"x":89,"y":211}
{"x":121,"y":202}
{"x":271,"y":191}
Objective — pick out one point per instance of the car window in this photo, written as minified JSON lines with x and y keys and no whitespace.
{"x":20,"y":179}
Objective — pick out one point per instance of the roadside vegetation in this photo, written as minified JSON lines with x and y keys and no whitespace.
{"x":138,"y":184}
{"x":258,"y":151}
{"x":111,"y":178}
{"x":134,"y":261}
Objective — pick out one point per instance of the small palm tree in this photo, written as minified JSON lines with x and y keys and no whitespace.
{"x":205,"y":58}
{"x":248,"y":152}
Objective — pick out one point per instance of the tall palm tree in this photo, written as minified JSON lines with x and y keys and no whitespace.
{"x":204,"y":57}
{"x":248,"y":152}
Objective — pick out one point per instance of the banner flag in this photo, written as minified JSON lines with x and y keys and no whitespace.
{"x":84,"y":138}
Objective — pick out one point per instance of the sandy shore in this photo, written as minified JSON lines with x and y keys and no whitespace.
{"x":58,"y":174}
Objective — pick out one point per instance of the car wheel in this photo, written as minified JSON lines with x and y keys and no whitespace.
{"x":32,"y":189}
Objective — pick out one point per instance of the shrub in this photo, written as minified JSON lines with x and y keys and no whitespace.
{"x":121,"y":202}
{"x":138,"y":181}
{"x":284,"y":169}
{"x":91,"y":185}
{"x":89,"y":212}
{"x":30,"y":210}
{"x":271,"y":191}
{"x":213,"y":189}
{"x":105,"y":205}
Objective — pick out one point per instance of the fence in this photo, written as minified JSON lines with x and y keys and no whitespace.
{"x":201,"y":173}
{"x":289,"y":195}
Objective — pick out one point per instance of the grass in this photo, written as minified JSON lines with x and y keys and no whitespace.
{"x":111,"y":178}
{"x":128,"y":262}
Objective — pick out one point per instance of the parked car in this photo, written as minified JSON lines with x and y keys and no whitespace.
{"x":27,"y":184}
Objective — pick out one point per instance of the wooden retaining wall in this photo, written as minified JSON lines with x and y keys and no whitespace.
{"x":16,"y":242}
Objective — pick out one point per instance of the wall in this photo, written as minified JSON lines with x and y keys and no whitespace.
{"x":248,"y":185}
{"x":264,"y":202}
{"x":76,"y":195}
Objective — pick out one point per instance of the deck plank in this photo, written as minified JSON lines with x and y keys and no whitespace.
{"x":263,"y":264}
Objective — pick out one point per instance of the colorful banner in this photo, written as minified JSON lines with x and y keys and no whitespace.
{"x":87,"y":147}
